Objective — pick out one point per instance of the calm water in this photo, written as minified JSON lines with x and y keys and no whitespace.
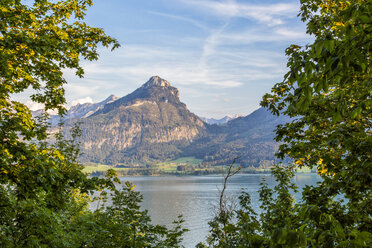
{"x":196,"y":198}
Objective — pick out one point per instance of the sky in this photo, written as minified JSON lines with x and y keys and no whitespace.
{"x":222,"y":55}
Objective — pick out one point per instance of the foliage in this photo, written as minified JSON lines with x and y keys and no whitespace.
{"x":243,"y":228}
{"x":36,"y":210}
{"x":38,"y":41}
{"x":41,"y":184}
{"x":122,"y":224}
{"x":284,"y":223}
{"x":44,"y":195}
{"x":327,"y":93}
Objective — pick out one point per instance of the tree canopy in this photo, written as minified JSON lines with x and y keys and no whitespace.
{"x":37,"y":41}
{"x":327,"y":93}
{"x":44,"y":195}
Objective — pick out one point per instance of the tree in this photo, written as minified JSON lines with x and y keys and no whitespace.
{"x":327,"y":93}
{"x":38,"y":181}
{"x":123,"y":224}
{"x":38,"y":41}
{"x":44,"y":194}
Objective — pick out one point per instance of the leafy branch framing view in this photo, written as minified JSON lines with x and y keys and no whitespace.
{"x":45,"y":196}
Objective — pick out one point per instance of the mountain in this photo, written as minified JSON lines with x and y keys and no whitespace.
{"x":221,"y":121}
{"x":77,"y":111}
{"x":152,"y":124}
{"x":251,"y":138}
{"x":86,"y":109}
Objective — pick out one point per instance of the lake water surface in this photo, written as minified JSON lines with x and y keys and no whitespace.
{"x":196,"y":198}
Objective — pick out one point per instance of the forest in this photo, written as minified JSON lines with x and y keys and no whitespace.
{"x":45,"y":196}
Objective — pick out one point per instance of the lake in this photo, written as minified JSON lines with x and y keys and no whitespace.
{"x":196,"y":198}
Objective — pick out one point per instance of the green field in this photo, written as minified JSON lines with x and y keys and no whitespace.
{"x":179,"y":166}
{"x":91,"y":168}
{"x":187,"y":163}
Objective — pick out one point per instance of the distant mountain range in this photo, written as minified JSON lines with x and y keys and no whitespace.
{"x":152,"y":124}
{"x":221,"y":121}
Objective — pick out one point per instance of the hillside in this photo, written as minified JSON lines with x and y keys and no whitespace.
{"x":149,"y":124}
{"x":250,"y":138}
{"x":152,"y":124}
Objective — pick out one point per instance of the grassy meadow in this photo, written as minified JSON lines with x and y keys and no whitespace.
{"x":179,"y":166}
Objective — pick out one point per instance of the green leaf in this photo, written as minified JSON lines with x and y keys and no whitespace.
{"x":292,"y":239}
{"x":330,"y":45}
{"x":279,"y":236}
{"x":365,"y":18}
{"x":335,"y":63}
{"x":302,"y":242}
{"x":325,"y":85}
{"x":318,"y":48}
{"x":356,"y":113}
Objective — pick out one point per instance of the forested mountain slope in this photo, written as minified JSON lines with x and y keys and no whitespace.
{"x":249,"y":137}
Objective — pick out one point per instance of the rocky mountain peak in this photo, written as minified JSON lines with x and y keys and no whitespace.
{"x":156,"y":81}
{"x":110,"y":99}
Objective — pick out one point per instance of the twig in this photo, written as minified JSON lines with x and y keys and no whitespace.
{"x":230,"y":173}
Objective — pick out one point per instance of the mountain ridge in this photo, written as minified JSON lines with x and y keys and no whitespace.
{"x":131,"y":125}
{"x":155,"y":88}
{"x":220,"y":121}
{"x":152,"y":124}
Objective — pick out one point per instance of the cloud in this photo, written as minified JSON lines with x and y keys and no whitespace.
{"x":181,"y":67}
{"x":81,"y":89}
{"x":181,"y":18}
{"x":33,"y":106}
{"x":269,"y":14}
{"x":82,"y":101}
{"x":285,"y":33}
{"x":209,"y":46}
{"x":222,"y":99}
{"x":217,"y":64}
{"x":212,"y":66}
{"x":231,"y":55}
{"x":269,"y":35}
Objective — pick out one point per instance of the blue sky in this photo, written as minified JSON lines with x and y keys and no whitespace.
{"x":222,"y":55}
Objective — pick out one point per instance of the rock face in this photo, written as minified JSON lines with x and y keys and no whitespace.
{"x":150,"y":123}
{"x":153,"y":124}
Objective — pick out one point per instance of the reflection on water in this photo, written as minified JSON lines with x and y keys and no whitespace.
{"x":196,"y":198}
